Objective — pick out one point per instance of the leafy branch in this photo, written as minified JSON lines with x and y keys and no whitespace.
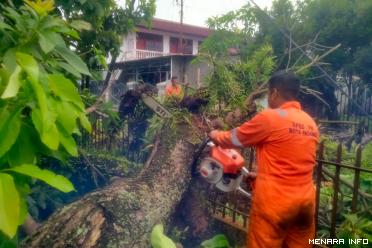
{"x":40,"y":107}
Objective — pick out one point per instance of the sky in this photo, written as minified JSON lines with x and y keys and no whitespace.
{"x":196,"y":12}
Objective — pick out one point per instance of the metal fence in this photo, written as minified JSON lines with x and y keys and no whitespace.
{"x":117,"y":137}
{"x":328,"y":174}
{"x":122,"y":139}
{"x":353,"y":111}
{"x":126,"y":138}
{"x":232,"y":209}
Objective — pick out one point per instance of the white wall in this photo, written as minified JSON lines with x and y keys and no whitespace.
{"x":166,"y":43}
{"x":195,"y":47}
{"x":128,"y":46}
{"x":190,"y":70}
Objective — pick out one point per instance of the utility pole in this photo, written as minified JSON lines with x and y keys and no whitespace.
{"x":180,"y":3}
{"x":181,"y":44}
{"x":181,"y":21}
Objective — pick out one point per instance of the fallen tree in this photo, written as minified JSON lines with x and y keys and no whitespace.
{"x":123,"y":213}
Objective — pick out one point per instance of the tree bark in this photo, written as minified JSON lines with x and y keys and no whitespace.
{"x":124,"y":213}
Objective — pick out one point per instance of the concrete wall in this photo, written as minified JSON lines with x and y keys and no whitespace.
{"x":190,"y":70}
{"x":128,"y":47}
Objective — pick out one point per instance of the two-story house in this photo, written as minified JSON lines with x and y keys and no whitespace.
{"x":155,"y":54}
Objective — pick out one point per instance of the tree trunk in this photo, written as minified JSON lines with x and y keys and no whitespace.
{"x":124,"y":213}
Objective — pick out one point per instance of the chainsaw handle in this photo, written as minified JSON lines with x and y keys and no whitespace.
{"x":243,"y":192}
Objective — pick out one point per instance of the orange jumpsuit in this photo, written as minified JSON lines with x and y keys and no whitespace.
{"x":171,"y":90}
{"x":283,"y":202}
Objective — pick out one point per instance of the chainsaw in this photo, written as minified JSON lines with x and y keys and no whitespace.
{"x":223,"y":168}
{"x":143,"y":91}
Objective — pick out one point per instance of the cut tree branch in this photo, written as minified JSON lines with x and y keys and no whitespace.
{"x":107,"y":83}
{"x":290,"y":51}
{"x":152,"y":155}
{"x":317,"y":59}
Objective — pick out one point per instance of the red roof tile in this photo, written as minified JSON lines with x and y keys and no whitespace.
{"x":176,"y":27}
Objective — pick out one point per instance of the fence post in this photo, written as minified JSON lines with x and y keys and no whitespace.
{"x":319,"y":170}
{"x":215,"y":203}
{"x":358,"y":159}
{"x":251,"y":159}
{"x":235,"y":206}
{"x":336,"y":189}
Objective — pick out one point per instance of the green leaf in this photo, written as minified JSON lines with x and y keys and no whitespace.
{"x":352,"y":218}
{"x":159,"y":240}
{"x":65,"y":89}
{"x":48,"y":40}
{"x":5,"y":26}
{"x":42,"y":8}
{"x":14,"y":83}
{"x":74,"y":60}
{"x":69,"y":69}
{"x":29,"y":64}
{"x":45,"y":125}
{"x":81,"y":25}
{"x":4,"y":78}
{"x":67,"y":141}
{"x":10,"y":59}
{"x":49,"y":22}
{"x":23,"y":210}
{"x":9,"y":205}
{"x":50,"y":137}
{"x":218,"y":241}
{"x":24,"y":190}
{"x":73,"y":33}
{"x":57,"y":181}
{"x":67,"y":115}
{"x":24,"y":145}
{"x":9,"y":129}
{"x":5,"y":242}
{"x":46,"y":44}
{"x":42,"y":102}
{"x":36,"y":120}
{"x":14,"y":15}
{"x":85,"y":123}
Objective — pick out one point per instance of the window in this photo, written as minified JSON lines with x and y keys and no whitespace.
{"x":199,"y":44}
{"x":175,"y":46}
{"x":150,"y":42}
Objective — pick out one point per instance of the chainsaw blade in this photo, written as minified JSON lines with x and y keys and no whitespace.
{"x":155,"y":106}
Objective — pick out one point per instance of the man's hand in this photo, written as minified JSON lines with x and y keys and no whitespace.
{"x":213,"y":136}
{"x":251,"y":175}
{"x":250,"y":178}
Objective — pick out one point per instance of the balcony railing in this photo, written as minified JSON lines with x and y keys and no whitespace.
{"x":141,"y":54}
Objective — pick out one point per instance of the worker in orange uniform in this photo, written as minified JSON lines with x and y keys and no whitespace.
{"x":173,"y":88}
{"x":285,"y":137}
